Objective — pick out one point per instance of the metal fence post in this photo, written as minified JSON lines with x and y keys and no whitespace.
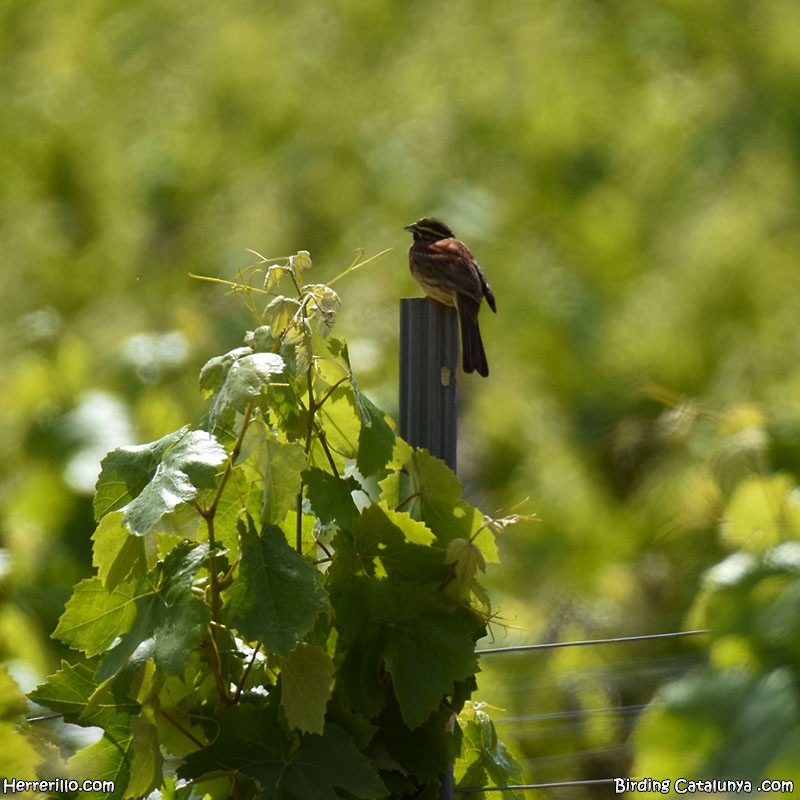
{"x":428,"y":376}
{"x":428,"y":386}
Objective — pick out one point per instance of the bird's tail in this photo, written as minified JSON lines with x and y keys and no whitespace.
{"x":473,"y":356}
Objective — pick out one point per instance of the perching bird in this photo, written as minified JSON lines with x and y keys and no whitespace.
{"x":449,"y":273}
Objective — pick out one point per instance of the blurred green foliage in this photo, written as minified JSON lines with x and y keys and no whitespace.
{"x":627,"y":174}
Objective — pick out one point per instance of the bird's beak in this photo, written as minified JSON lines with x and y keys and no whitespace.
{"x":410,"y":228}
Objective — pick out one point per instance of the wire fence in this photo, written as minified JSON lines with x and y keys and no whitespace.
{"x":524,"y":786}
{"x":521,"y":648}
{"x":569,"y":717}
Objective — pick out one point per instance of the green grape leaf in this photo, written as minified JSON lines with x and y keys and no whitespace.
{"x":169,"y":617}
{"x":771,"y":708}
{"x":215,"y":370}
{"x":66,"y":691}
{"x":376,"y":439}
{"x":146,"y":760}
{"x":754,"y":601}
{"x":286,"y":410}
{"x":283,"y":463}
{"x":18,"y":756}
{"x":319,"y":768}
{"x":426,"y":652}
{"x":413,"y":530}
{"x":260,"y":340}
{"x":703,"y":724}
{"x":300,"y":261}
{"x":108,"y":759}
{"x":241,"y":496}
{"x":276,"y":596}
{"x":424,"y":753}
{"x":331,"y":497}
{"x":322,"y":307}
{"x":403,"y":546}
{"x":425,"y":643}
{"x":281,"y":312}
{"x":174,"y":697}
{"x":148,"y":481}
{"x":483,"y":754}
{"x":430,"y":491}
{"x":342,"y":426}
{"x":12,"y":701}
{"x":74,"y":692}
{"x":306,"y":687}
{"x":275,"y":467}
{"x":246,"y":375}
{"x":466,"y":558}
{"x":762,"y":512}
{"x":776,"y":621}
{"x":116,"y":554}
{"x":302,"y":353}
{"x":484,"y":537}
{"x":126,"y":471}
{"x":275,"y":274}
{"x":388,"y":543}
{"x":95,"y":616}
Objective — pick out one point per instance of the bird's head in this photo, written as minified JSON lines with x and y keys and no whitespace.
{"x":429,"y":229}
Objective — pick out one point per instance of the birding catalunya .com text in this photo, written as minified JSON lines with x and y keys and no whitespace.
{"x":687,"y":786}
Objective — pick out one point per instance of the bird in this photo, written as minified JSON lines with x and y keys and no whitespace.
{"x":448,"y":272}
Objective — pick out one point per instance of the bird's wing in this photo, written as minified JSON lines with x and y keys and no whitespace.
{"x":463,"y":270}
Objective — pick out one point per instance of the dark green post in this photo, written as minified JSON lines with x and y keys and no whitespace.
{"x":428,"y":376}
{"x":428,"y":386}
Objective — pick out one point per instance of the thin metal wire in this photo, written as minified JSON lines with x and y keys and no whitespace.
{"x":519,"y":648}
{"x":522,"y":786}
{"x":543,"y":717}
{"x":638,"y":675}
{"x":589,"y":712}
{"x":559,"y":760}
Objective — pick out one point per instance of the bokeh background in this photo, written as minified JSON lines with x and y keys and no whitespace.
{"x":628,"y":175}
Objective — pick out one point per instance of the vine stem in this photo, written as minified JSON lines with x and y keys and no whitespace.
{"x":312,"y":411}
{"x":313,"y":426}
{"x":358,"y":263}
{"x":407,"y":499}
{"x":188,"y":734}
{"x":216,"y":667}
{"x":209,"y":513}
{"x":246,"y":673}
